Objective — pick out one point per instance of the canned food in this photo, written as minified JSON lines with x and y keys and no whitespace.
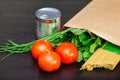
{"x":47,"y":21}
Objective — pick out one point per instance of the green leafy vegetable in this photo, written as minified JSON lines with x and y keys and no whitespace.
{"x":80,"y":56}
{"x":86,"y":55}
{"x":83,"y":39}
{"x":95,"y":45}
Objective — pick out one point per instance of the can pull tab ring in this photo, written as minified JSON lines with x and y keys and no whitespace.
{"x":44,"y":16}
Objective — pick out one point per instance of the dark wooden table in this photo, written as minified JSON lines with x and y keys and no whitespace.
{"x":17,"y":22}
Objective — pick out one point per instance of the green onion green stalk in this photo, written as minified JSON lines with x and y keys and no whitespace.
{"x":84,"y":40}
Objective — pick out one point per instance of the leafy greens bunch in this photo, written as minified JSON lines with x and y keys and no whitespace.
{"x":84,"y":40}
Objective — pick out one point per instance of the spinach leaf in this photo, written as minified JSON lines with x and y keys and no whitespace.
{"x":86,"y":55}
{"x":95,"y":45}
{"x":80,"y":56}
{"x":76,"y":31}
{"x":75,"y":41}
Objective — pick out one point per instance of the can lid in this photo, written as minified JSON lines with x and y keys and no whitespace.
{"x":48,"y":13}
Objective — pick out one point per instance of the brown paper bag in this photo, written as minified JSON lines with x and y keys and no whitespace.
{"x":102,"y":17}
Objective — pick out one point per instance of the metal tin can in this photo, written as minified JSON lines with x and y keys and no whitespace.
{"x":47,"y":21}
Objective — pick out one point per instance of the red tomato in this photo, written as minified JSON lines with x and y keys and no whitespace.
{"x":68,"y":52}
{"x":49,"y":61}
{"x":40,"y":47}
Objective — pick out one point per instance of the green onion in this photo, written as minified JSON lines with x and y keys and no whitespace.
{"x":83,"y":39}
